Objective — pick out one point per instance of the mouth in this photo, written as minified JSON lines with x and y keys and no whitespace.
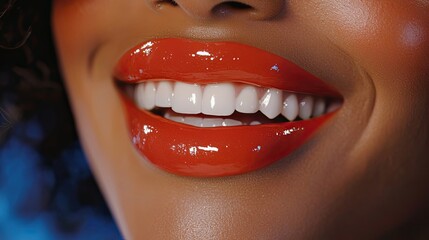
{"x":210,"y":109}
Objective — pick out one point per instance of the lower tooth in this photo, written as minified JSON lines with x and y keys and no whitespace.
{"x":177,"y":119}
{"x":194,"y":121}
{"x":212,"y":122}
{"x":254,"y":123}
{"x":205,"y":122}
{"x":174,"y":118}
{"x":231,"y":122}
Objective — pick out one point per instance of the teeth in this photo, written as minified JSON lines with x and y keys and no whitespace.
{"x":231,"y":123}
{"x":145,"y":95}
{"x":223,"y":99}
{"x":205,"y":122}
{"x":271,"y":103}
{"x":219,"y":99}
{"x":319,"y":107}
{"x":290,"y":107}
{"x":174,"y":117}
{"x":139,"y":95}
{"x":306,"y":107}
{"x":187,"y":98}
{"x":194,"y":121}
{"x":212,"y":122}
{"x":164,"y":94}
{"x":149,"y":93}
{"x":247,"y":101}
{"x":255,"y":123}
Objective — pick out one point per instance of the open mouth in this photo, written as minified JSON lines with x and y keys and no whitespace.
{"x":225,"y":104}
{"x":215,"y":109}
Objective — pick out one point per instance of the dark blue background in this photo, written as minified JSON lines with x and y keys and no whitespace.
{"x":28,"y":207}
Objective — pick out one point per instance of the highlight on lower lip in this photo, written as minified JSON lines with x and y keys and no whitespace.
{"x":279,"y":107}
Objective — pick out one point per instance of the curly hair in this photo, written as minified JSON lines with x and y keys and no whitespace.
{"x":31,"y":90}
{"x":30,"y":82}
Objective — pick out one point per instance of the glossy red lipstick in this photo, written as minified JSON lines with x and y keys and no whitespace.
{"x":221,"y":151}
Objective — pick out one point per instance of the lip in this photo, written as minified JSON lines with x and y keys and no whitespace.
{"x":212,"y":152}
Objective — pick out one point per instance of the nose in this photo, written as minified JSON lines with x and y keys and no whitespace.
{"x":206,"y":9}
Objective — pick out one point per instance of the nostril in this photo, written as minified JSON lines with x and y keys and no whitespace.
{"x":211,"y":9}
{"x":169,"y":2}
{"x":236,"y":5}
{"x":228,"y":7}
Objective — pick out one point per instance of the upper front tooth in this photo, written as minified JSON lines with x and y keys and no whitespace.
{"x":271,"y":103}
{"x":306,"y":107}
{"x":247,"y":100}
{"x":219,"y":99}
{"x":164,"y":94}
{"x":290,"y":107}
{"x":186,"y":98}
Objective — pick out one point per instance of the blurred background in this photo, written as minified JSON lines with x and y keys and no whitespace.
{"x":46,"y":188}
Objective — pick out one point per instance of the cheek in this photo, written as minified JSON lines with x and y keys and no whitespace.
{"x":373,"y":31}
{"x":81,"y":25}
{"x":389,"y":40}
{"x":68,"y":22}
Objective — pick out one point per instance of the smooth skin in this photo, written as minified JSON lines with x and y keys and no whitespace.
{"x":364,"y":175}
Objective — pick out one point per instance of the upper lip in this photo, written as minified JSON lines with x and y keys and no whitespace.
{"x":191,"y":151}
{"x":207,"y":62}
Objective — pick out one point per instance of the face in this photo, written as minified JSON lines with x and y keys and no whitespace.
{"x":357,"y":168}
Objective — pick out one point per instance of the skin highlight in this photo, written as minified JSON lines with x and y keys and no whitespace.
{"x":362,"y":176}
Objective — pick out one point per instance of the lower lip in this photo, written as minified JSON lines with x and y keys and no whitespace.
{"x":213,"y":152}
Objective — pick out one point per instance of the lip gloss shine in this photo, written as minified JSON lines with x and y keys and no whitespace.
{"x":221,"y":151}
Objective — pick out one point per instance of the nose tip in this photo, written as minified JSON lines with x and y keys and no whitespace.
{"x":250,"y":9}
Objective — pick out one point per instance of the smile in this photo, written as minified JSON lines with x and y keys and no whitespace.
{"x":208,"y":109}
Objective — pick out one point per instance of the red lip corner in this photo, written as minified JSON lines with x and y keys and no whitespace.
{"x":221,"y":151}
